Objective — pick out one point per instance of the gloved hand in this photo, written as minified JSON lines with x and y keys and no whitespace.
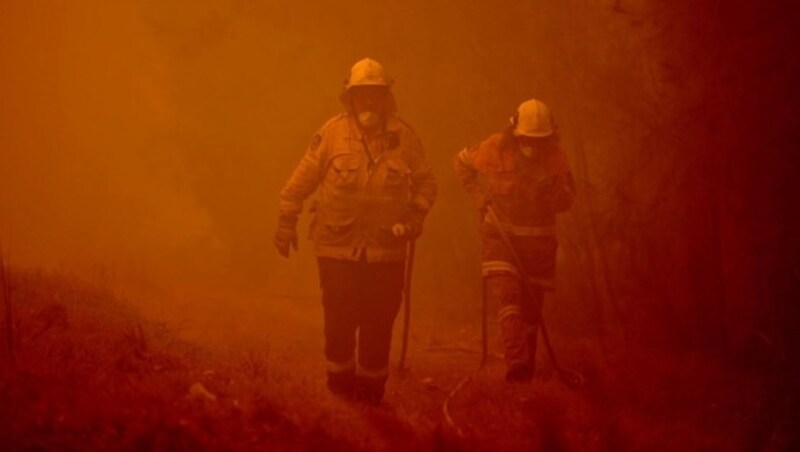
{"x":411,"y":228}
{"x":401,"y":229}
{"x":286,"y":235}
{"x":483,"y":203}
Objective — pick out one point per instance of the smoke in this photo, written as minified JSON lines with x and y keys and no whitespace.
{"x":157,"y":134}
{"x":152,"y":137}
{"x":88,"y":176}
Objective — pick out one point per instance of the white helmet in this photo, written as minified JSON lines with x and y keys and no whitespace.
{"x":533,"y":119}
{"x":367,"y":72}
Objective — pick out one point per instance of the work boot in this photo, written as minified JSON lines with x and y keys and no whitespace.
{"x":370,"y":390}
{"x":342,"y":383}
{"x":519,"y":373}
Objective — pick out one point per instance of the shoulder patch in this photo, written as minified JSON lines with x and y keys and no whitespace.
{"x":315,"y":142}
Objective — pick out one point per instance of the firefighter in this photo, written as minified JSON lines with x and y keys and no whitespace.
{"x":519,"y":180}
{"x":373,"y":189}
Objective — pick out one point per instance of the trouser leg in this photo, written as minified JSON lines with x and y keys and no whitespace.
{"x":532,"y":312}
{"x":340,"y":305}
{"x":505,"y":291}
{"x":383,"y":286}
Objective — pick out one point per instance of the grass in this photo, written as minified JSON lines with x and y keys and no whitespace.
{"x":94,"y":373}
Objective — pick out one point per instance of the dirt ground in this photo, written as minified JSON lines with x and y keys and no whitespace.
{"x":94,"y":373}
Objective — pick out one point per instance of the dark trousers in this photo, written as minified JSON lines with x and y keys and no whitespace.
{"x":519,"y":314}
{"x":360,"y":302}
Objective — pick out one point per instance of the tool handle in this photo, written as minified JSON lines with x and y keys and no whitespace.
{"x":401,"y":365}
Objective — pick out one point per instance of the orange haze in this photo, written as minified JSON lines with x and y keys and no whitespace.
{"x":146,"y":141}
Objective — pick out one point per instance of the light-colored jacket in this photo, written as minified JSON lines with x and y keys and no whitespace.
{"x":358,"y":198}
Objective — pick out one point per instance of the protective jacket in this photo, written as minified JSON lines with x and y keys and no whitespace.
{"x":364,"y":187}
{"x":525,"y":193}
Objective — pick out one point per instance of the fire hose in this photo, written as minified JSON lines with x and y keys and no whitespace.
{"x":570,"y":378}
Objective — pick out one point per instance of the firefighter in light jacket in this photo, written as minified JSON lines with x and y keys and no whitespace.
{"x":373,"y":189}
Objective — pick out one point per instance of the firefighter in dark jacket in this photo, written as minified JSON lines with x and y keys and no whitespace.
{"x":527,"y":182}
{"x":373,"y":189}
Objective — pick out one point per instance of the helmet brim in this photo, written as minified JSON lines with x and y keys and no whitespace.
{"x":531,"y":134}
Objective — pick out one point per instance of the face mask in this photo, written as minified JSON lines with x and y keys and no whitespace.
{"x":368,"y":119}
{"x":527,"y":151}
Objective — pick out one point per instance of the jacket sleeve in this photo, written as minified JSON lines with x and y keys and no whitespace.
{"x":464,"y":166}
{"x":561,"y":194}
{"x":304,"y":180}
{"x":423,"y":184}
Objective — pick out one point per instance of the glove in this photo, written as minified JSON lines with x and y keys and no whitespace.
{"x":286,"y":235}
{"x":411,"y":228}
{"x":401,"y":230}
{"x":483,"y":202}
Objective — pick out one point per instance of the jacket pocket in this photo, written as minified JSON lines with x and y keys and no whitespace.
{"x":396,"y":180}
{"x":397,"y":172}
{"x":344,"y":171}
{"x":335,"y":229}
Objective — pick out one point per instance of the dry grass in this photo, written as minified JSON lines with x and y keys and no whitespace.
{"x":94,"y":374}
